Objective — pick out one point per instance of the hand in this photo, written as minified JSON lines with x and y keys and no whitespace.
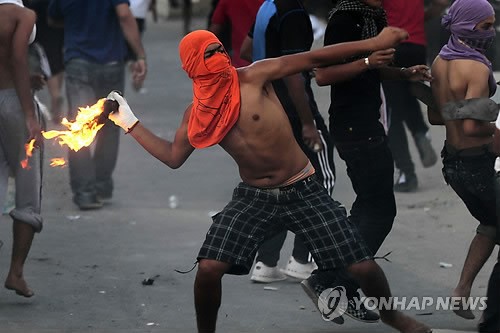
{"x":389,"y":37}
{"x":417,"y":73}
{"x":311,"y":138}
{"x":124,"y":117}
{"x":34,"y":131}
{"x":139,"y":71}
{"x":381,"y":58}
{"x":37,"y":81}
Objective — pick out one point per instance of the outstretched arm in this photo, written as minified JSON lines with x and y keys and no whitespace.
{"x":173,"y":154}
{"x":276,"y":68}
{"x":20,"y":70}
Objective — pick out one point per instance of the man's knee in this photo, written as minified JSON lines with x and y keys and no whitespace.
{"x":210,"y":269}
{"x":364,"y":269}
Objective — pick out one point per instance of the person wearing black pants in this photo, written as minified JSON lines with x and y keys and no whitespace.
{"x":284,"y":27}
{"x":405,"y":109}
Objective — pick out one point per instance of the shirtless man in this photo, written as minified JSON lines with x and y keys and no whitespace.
{"x":19,"y":123}
{"x":462,"y":72}
{"x":239,"y":110}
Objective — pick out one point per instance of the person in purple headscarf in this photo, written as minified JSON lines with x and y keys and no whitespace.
{"x":462,"y":74}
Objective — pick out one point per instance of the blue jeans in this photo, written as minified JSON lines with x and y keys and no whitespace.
{"x":87,"y":82}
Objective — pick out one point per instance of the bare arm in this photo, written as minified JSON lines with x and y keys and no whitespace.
{"x":295,"y":85}
{"x":477,"y":86}
{"x":131,"y":33}
{"x":276,"y":68}
{"x":247,"y":49}
{"x":20,"y":70}
{"x":173,"y":154}
{"x":339,"y":73}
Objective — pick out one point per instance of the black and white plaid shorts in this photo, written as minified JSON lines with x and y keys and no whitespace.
{"x":305,"y":208}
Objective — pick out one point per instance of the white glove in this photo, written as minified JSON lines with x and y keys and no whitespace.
{"x":497,"y":123}
{"x":124,"y":117}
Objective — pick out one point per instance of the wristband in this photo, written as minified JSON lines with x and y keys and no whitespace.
{"x":367,"y":62}
{"x":132,"y":127}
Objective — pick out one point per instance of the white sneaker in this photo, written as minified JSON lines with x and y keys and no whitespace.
{"x":265,"y":274}
{"x":297,"y":270}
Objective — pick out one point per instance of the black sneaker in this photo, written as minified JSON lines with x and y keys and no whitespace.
{"x":427,"y":153}
{"x":406,"y":183}
{"x":362,"y":314}
{"x":87,"y":201}
{"x":314,"y":289}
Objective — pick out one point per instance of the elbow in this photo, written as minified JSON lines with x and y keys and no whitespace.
{"x":321,"y":80}
{"x":172,"y":164}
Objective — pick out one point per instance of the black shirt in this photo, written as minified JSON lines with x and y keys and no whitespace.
{"x":355,"y":103}
{"x":289,"y":31}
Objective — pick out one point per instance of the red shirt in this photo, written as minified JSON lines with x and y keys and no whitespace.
{"x":408,"y":15}
{"x":241,"y":15}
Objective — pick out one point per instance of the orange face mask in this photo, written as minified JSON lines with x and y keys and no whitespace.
{"x":216,"y":90}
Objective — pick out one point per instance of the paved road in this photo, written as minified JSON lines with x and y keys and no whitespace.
{"x":87,"y":267}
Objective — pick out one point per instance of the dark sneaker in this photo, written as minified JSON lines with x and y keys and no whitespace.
{"x":406,"y":183}
{"x":314,"y":289}
{"x":427,"y":153}
{"x":104,"y":198}
{"x":361,"y":314}
{"x":87,"y":201}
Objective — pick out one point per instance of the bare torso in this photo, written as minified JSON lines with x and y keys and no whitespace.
{"x":457,"y":80}
{"x":9,"y":16}
{"x":262,"y":141}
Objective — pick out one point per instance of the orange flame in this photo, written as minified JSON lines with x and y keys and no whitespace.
{"x":58,"y":161}
{"x":29,"y":152}
{"x":83,"y":130}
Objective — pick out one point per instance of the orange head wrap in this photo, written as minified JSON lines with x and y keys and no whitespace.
{"x":216,"y":90}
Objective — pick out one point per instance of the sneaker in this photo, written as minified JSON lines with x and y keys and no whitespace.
{"x":361,"y":314}
{"x":265,"y":274}
{"x":297,"y":270}
{"x":406,"y":183}
{"x":313,"y":289}
{"x":427,"y":153}
{"x":87,"y":202}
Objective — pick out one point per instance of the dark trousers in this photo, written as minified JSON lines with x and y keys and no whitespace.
{"x":404,"y":107}
{"x":371,"y":169}
{"x":491,"y":316}
{"x":86,"y":82}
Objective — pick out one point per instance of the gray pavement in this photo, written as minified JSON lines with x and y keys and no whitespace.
{"x":86,"y":268}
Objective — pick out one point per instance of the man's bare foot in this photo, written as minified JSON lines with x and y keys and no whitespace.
{"x":19,"y":286}
{"x":405,"y":324}
{"x":461,"y":312}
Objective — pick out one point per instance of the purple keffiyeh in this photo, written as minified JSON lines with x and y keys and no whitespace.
{"x":465,"y":41}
